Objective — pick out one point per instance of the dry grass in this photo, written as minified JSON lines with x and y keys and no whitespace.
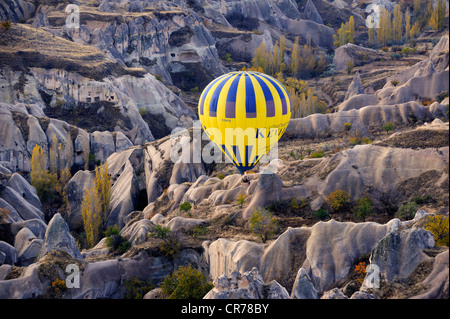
{"x":23,"y":47}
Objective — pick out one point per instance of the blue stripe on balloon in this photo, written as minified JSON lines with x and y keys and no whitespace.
{"x":215,"y":96}
{"x":250,"y":99}
{"x":205,"y":93}
{"x":230,"y":108}
{"x":279,"y":87}
{"x":270,"y":106}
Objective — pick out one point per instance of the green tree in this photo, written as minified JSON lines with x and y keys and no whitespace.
{"x":263,"y":224}
{"x":186,"y":283}
{"x":363,"y":207}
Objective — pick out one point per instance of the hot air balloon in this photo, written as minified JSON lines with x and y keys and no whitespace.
{"x":245,"y":113}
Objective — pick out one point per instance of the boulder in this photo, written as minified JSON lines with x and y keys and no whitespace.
{"x":362,"y":295}
{"x":137,"y":232}
{"x":355,"y":54}
{"x":358,"y":101}
{"x":9,"y":253}
{"x":310,"y":13}
{"x":23,"y":188}
{"x":249,"y":285}
{"x":75,"y":190}
{"x":303,"y":287}
{"x":178,"y":223}
{"x":27,"y":286}
{"x":335,"y":293}
{"x":399,"y":254}
{"x":269,"y":188}
{"x":58,"y":237}
{"x":437,"y":281}
{"x":355,"y":88}
{"x":22,"y":207}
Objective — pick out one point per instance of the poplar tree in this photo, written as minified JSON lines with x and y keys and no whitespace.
{"x":407,"y":23}
{"x":384,"y":32}
{"x":295,"y":58}
{"x":95,"y":204}
{"x":53,"y":156}
{"x":91,"y":214}
{"x":40,"y":178}
{"x":397,"y":24}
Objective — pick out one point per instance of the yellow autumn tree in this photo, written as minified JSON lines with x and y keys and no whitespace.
{"x":384,"y":32}
{"x":40,"y":178}
{"x":53,"y":156}
{"x":103,"y":187}
{"x":91,"y":214}
{"x":407,"y":23}
{"x":295,"y":58}
{"x":437,"y":19}
{"x":346,"y":33}
{"x":262,"y":58}
{"x":95,"y":204}
{"x":397,"y":24}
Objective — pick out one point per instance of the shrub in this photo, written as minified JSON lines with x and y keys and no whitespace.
{"x":263,"y":224}
{"x":241,"y":200}
{"x":438,"y":226}
{"x":220,"y":176}
{"x":115,"y":242}
{"x":40,"y":178}
{"x":350,"y":67}
{"x":171,"y":246}
{"x":406,"y":211}
{"x":185,"y":206}
{"x":388,"y":126}
{"x":360,"y":269}
{"x":143,"y":111}
{"x":136,"y":288}
{"x":347,"y":126}
{"x":395,"y":82}
{"x":160,"y":232}
{"x":338,"y":200}
{"x":199,"y":231}
{"x":295,"y":204}
{"x":441,"y":96}
{"x":363,"y":207}
{"x":4,"y":213}
{"x":318,"y":154}
{"x":321,"y":214}
{"x":6,"y":25}
{"x":419,"y":200}
{"x":186,"y":283}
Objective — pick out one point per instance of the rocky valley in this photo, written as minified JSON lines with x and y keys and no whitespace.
{"x":360,"y":189}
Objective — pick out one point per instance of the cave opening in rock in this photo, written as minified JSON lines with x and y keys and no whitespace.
{"x":141,"y":200}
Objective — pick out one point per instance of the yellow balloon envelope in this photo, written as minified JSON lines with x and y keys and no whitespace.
{"x":245,"y":113}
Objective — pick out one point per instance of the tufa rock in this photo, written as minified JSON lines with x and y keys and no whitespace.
{"x":58,"y":236}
